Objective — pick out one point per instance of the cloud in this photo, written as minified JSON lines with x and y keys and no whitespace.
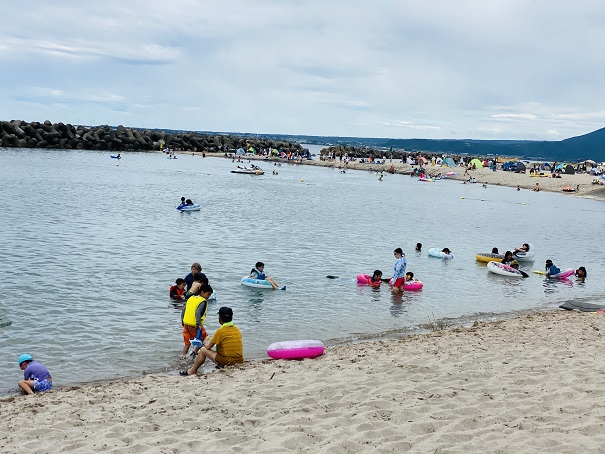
{"x":504,"y":69}
{"x":519,"y":116}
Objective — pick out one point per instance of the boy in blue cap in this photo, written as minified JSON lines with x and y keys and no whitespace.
{"x":36,"y":376}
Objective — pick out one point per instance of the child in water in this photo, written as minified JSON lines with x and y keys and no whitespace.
{"x":376,"y":279}
{"x":193,"y":317}
{"x":258,"y":272}
{"x":177,"y":291}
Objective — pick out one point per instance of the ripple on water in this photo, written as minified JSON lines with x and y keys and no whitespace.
{"x":86,"y":274}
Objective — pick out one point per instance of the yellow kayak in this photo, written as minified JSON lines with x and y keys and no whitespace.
{"x":487,"y":257}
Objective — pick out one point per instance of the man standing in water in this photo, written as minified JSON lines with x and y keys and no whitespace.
{"x":398,"y":278}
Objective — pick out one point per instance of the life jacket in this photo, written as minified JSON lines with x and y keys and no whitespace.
{"x":259,"y":275}
{"x":373,"y":283}
{"x":190,"y":308}
{"x":176,"y":292}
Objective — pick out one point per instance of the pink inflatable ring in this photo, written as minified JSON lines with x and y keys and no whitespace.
{"x":296,"y":349}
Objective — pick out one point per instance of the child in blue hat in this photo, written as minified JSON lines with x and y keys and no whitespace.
{"x":36,"y":376}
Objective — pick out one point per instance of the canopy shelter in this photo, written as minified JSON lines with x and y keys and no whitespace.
{"x":448,"y":162}
{"x":503,"y":159}
{"x":478,"y":164}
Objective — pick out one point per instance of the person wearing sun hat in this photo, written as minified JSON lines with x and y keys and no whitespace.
{"x":228,"y":341}
{"x":514,"y":264}
{"x":36,"y":376}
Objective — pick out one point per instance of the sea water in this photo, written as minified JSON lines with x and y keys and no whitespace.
{"x":90,"y":246}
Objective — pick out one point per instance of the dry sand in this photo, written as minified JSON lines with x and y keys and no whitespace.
{"x":530,"y":384}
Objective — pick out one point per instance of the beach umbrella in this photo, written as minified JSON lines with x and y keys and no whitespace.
{"x":590,"y":161}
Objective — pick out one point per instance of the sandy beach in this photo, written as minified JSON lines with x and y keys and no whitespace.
{"x":500,"y":178}
{"x":529,"y":384}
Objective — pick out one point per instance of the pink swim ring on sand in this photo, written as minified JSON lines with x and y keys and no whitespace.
{"x":296,"y":349}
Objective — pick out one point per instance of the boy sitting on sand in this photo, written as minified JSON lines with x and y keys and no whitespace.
{"x":36,"y":377}
{"x":193,"y":317}
{"x":228,"y":341}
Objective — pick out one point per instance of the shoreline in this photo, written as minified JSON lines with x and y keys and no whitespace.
{"x":524,"y":384}
{"x":484,"y":175}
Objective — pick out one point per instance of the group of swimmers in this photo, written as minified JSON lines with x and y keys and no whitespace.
{"x":195,"y":290}
{"x":550,"y":268}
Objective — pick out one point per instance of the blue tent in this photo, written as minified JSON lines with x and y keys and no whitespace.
{"x":448,"y":162}
{"x":240,"y":151}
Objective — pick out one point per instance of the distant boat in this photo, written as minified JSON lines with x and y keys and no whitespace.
{"x":254,"y":170}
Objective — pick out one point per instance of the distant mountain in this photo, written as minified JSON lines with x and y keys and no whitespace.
{"x":587,"y":146}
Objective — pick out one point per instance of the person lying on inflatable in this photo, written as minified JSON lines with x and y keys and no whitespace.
{"x":551,"y":269}
{"x":375,"y":279}
{"x":514,"y":264}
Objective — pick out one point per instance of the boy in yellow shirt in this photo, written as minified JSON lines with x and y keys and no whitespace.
{"x":228,"y":341}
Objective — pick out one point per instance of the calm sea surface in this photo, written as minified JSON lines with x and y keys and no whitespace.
{"x":90,"y":246}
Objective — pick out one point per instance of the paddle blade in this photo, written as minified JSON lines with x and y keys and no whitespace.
{"x":539,"y":272}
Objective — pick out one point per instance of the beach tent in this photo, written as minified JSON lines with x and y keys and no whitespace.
{"x":568,"y":169}
{"x":476,"y":162}
{"x":519,"y":167}
{"x":560,"y":167}
{"x":251,"y":149}
{"x":448,"y":162}
{"x":545,"y":166}
{"x":240,"y":151}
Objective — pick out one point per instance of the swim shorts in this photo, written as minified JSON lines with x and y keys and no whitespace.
{"x":42,"y":385}
{"x":399,"y":282}
{"x":189,"y":333}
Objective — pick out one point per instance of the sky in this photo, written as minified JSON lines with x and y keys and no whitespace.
{"x":436,"y":69}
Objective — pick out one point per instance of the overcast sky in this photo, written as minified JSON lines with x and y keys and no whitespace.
{"x":482,"y":69}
